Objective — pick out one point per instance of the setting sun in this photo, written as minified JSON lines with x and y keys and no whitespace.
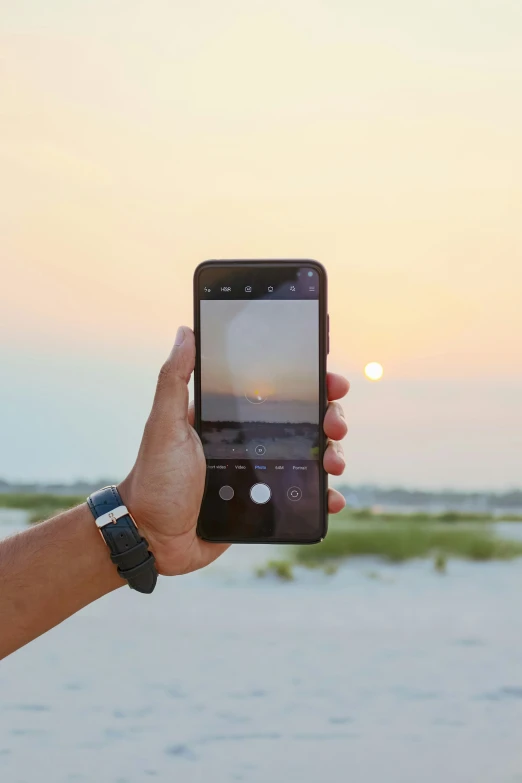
{"x":374,"y":371}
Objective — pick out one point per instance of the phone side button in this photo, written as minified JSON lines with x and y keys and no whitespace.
{"x":327,"y":334}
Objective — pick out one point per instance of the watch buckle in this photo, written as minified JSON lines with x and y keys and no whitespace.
{"x":111,"y":517}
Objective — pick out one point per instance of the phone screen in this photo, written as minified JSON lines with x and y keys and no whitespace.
{"x":260,"y":401}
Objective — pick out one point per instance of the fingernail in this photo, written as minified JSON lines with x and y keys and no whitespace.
{"x":180,"y":336}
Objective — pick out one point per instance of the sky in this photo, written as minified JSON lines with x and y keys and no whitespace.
{"x":383,"y":139}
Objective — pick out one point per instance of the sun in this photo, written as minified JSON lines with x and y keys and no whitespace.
{"x":374,"y":371}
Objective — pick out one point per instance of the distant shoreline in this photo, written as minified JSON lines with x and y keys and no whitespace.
{"x":357,"y":496}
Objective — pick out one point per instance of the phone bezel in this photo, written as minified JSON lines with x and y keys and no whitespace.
{"x":323,"y":394}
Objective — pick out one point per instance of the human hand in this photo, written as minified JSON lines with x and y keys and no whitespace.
{"x":165,"y":487}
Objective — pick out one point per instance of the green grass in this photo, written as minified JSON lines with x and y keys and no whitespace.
{"x":354,"y":533}
{"x":406,"y":540}
{"x":40,"y":506}
{"x":396,"y":538}
{"x":280,"y":568}
{"x":369,"y":515}
{"x":29,"y":501}
{"x":440,"y":562}
{"x":284,"y":569}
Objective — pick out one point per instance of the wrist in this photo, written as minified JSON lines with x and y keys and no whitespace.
{"x":131,"y":497}
{"x":102,"y":574}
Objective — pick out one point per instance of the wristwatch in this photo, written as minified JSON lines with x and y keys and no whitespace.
{"x":129,"y":550}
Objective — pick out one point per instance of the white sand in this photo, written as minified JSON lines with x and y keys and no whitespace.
{"x":222,"y":677}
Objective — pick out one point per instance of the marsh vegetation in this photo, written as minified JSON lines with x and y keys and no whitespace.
{"x":397,"y":538}
{"x":389,"y":537}
{"x":40,"y":506}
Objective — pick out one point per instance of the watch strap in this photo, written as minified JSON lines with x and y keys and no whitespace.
{"x":129,"y":550}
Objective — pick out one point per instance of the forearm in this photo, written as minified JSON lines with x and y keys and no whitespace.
{"x":49,"y":572}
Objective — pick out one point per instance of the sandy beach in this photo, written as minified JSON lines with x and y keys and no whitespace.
{"x":379,"y":672}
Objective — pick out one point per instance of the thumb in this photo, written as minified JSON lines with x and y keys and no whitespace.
{"x":171,"y":398}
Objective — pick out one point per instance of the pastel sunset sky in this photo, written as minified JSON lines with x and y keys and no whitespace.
{"x":383,"y":139}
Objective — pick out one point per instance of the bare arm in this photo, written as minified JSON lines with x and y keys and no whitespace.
{"x":52,"y":570}
{"x":48,"y":572}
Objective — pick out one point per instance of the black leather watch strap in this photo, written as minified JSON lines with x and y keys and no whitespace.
{"x":129,"y":551}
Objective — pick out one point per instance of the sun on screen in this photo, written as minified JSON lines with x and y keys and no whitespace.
{"x":374,"y":371}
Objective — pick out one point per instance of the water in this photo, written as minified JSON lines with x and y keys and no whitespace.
{"x":391,"y":673}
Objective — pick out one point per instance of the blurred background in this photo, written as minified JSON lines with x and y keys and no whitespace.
{"x":384,"y":140}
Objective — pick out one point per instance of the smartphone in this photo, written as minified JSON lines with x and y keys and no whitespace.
{"x":260,"y":397}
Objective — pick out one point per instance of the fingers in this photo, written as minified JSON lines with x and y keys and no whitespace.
{"x":171,"y":399}
{"x":333,"y":461}
{"x":191,"y":413}
{"x":336,"y":501}
{"x":337,"y":386}
{"x":335,"y":425}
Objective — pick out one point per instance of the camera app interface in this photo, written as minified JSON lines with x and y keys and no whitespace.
{"x":259,"y":369}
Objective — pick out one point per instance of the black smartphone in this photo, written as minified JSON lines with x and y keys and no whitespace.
{"x":260,"y":395}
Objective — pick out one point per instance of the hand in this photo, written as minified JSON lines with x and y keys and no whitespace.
{"x":165,"y":487}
